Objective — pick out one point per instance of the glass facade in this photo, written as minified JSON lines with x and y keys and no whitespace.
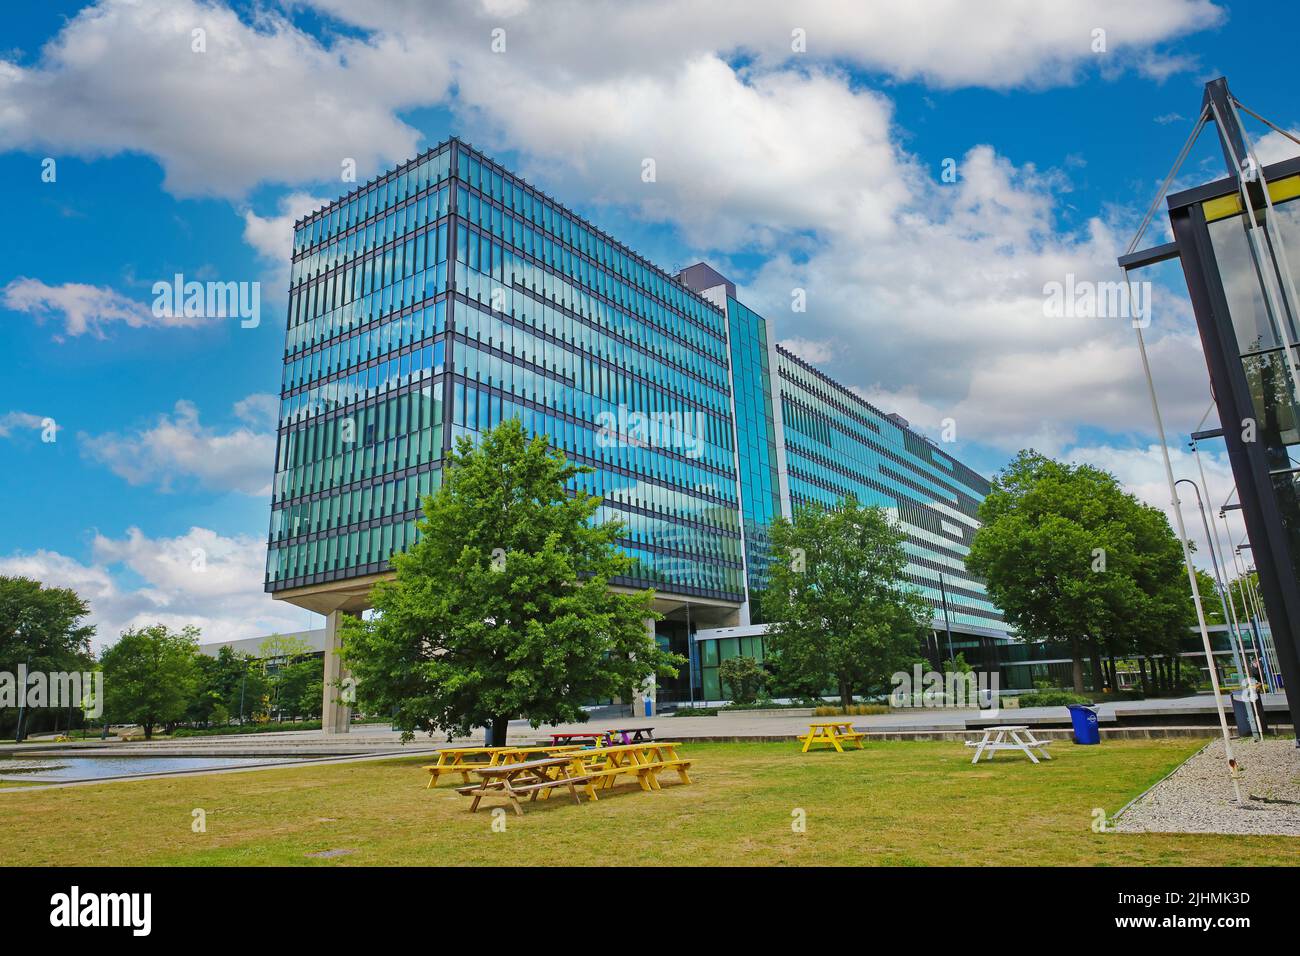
{"x":362,"y":413}
{"x":755,"y":436}
{"x":449,"y":295}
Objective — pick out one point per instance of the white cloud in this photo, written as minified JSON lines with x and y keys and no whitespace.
{"x":10,"y":421}
{"x":944,"y":43}
{"x":259,"y":410}
{"x":1273,"y":147}
{"x":200,"y":577}
{"x":267,"y":102}
{"x":82,"y":309}
{"x":263,"y":102}
{"x":179,"y":446}
{"x":815,"y":352}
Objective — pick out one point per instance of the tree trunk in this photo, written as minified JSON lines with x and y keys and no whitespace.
{"x":846,"y":696}
{"x":1142,"y":669}
{"x":500,"y":727}
{"x":1098,"y":675}
{"x":148,"y":731}
{"x":1114,"y":675}
{"x":1076,"y":665}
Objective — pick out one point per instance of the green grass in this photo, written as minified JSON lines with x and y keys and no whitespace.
{"x":903,"y":803}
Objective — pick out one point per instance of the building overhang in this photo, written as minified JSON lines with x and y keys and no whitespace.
{"x":353,"y":596}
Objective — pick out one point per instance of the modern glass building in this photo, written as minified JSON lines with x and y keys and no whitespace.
{"x":448,"y":295}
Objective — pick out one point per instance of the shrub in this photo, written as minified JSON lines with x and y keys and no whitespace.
{"x":856,"y":710}
{"x":1053,"y":698}
{"x":258,"y":728}
{"x":744,"y":677}
{"x":694,"y":712}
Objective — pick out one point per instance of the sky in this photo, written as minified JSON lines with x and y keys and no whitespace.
{"x":921,"y":170}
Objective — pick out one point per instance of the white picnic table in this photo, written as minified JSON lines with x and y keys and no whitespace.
{"x":1022,"y":739}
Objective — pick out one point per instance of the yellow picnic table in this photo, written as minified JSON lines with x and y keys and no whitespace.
{"x":454,"y":759}
{"x":645,"y":761}
{"x":831,"y":732}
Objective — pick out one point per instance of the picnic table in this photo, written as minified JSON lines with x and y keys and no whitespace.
{"x":831,"y":732}
{"x":591,"y":738}
{"x":645,"y":761}
{"x":638,"y":734}
{"x":537,"y":776}
{"x":1022,"y":739}
{"x":453,"y":759}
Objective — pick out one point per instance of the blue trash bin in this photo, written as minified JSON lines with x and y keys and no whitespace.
{"x":1084,"y":719}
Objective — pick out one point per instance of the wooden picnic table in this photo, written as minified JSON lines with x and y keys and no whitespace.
{"x":538,"y":776}
{"x":639,"y":734}
{"x":645,"y":761}
{"x":831,"y":732}
{"x":595,"y":737}
{"x":1022,"y":739}
{"x":453,"y":759}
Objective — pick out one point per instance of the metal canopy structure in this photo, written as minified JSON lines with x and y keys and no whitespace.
{"x":1232,"y":238}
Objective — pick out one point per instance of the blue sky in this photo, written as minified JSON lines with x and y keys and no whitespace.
{"x":816,"y":169}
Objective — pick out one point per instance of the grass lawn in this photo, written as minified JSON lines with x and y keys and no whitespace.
{"x":904,"y":803}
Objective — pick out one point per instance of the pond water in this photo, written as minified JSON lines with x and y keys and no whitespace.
{"x":57,"y":769}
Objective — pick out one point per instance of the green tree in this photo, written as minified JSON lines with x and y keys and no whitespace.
{"x":841,"y":614}
{"x":1210,"y":599}
{"x":150,"y":676}
{"x":43,"y":629}
{"x":298,"y":688}
{"x":744,"y":677}
{"x":502,"y":608}
{"x":1069,"y":556}
{"x":286,"y":662}
{"x":232,"y":683}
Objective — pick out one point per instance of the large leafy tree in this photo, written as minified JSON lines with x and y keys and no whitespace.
{"x":291,"y":673}
{"x":42,"y":628}
{"x":841,"y":614}
{"x":1070,"y":556}
{"x":232,"y":684}
{"x":503,"y":608}
{"x":150,"y":676}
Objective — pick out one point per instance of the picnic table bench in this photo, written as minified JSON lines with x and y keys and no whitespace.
{"x":452,"y":760}
{"x":539,"y":776}
{"x":994,"y":739}
{"x":645,"y":761}
{"x":831,"y":732}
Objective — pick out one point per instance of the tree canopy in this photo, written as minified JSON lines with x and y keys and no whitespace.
{"x":150,"y":676}
{"x":502,"y":609}
{"x":1068,"y":555}
{"x":42,"y":628}
{"x":842,"y":616}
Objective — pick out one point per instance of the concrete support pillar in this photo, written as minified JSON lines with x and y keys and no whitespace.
{"x":336,"y":715}
{"x":645,"y":694}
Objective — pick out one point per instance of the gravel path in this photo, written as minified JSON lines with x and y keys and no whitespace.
{"x":1197,"y":797}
